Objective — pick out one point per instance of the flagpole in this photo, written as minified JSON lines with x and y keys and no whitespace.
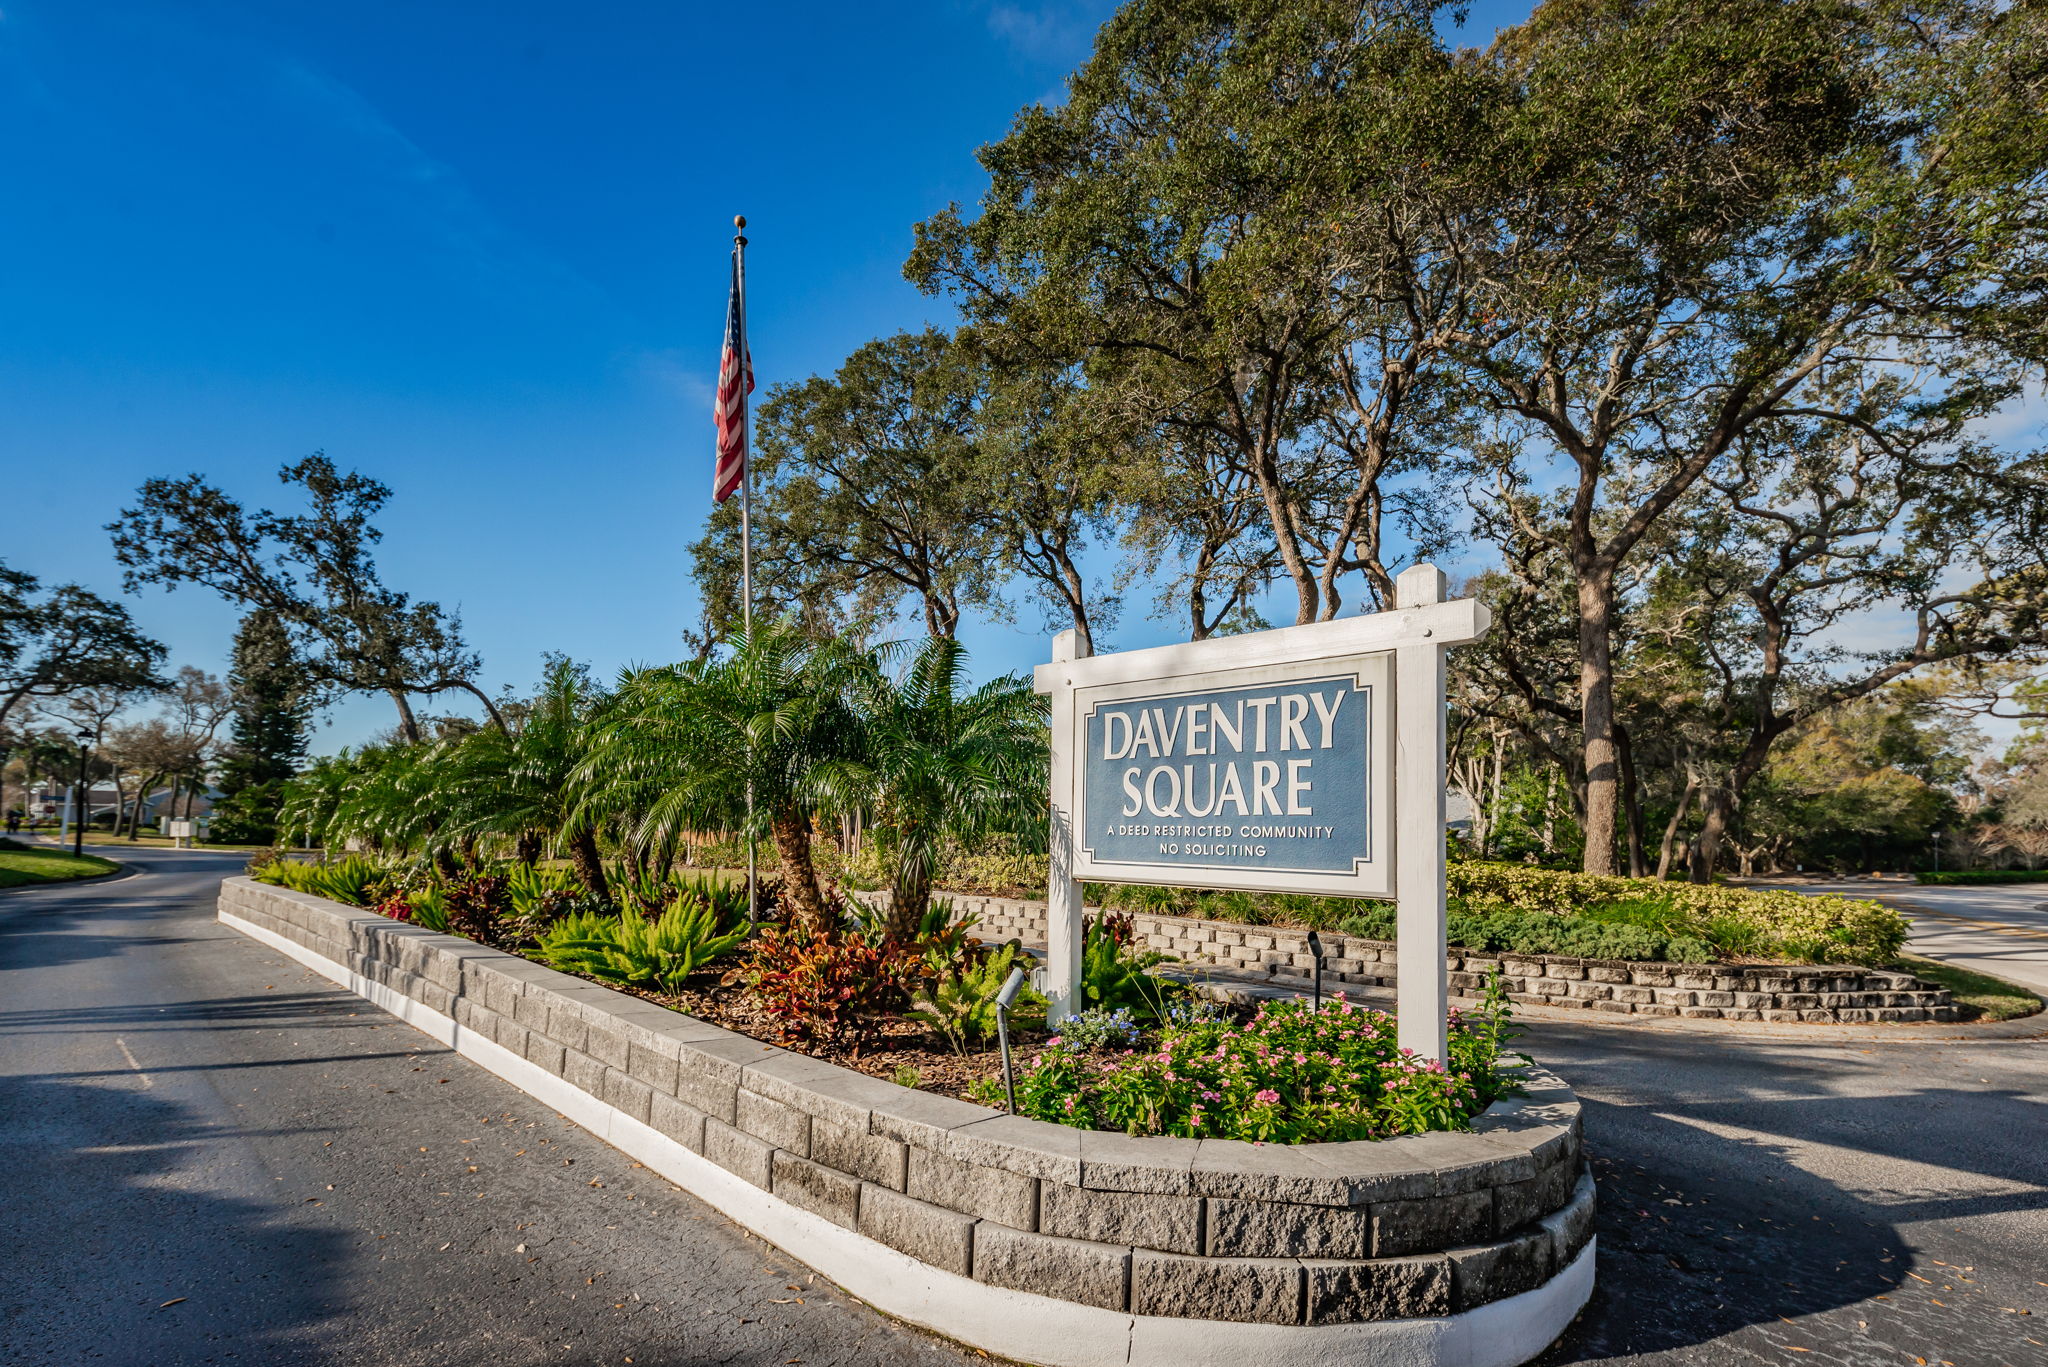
{"x":739,"y":248}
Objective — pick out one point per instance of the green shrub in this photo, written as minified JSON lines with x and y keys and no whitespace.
{"x":961,"y":1007}
{"x":1116,"y":974}
{"x":354,"y":878}
{"x":1531,"y":910}
{"x":1960,"y":877}
{"x":1504,"y":929}
{"x":636,"y":951}
{"x":1001,"y":873}
{"x":527,"y":884}
{"x":429,"y":909}
{"x":1784,"y":923}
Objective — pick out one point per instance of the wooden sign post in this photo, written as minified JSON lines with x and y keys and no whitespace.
{"x":1306,"y":759}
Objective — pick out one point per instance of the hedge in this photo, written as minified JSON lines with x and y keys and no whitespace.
{"x":1539,"y":932}
{"x":1983,"y":876}
{"x":1779,"y":921}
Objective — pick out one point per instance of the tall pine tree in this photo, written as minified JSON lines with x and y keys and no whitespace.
{"x":273,"y":708}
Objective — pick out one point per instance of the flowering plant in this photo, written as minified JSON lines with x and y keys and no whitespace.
{"x":1293,"y":1075}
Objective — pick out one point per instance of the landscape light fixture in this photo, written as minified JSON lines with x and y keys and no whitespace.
{"x":1005,"y":997}
{"x":1315,"y":947}
{"x":83,"y":800}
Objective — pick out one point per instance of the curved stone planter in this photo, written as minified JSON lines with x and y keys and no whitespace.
{"x":1836,"y":994}
{"x":1031,"y":1240}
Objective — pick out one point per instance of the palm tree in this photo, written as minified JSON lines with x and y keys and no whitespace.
{"x":519,"y":783}
{"x":393,"y":801}
{"x":313,"y":799}
{"x":936,"y":763}
{"x":682,"y":747}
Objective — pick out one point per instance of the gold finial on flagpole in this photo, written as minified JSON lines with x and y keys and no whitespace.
{"x":739,"y":222}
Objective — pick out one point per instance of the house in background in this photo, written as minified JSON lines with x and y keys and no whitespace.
{"x":47,"y":803}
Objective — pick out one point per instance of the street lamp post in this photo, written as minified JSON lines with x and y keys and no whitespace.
{"x":83,"y":804}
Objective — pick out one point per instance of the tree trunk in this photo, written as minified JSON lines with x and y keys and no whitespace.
{"x":141,"y":795}
{"x":589,"y":867}
{"x":1632,"y":802}
{"x":1671,"y":829}
{"x":1719,"y":810}
{"x":909,"y":899}
{"x":792,"y":830}
{"x":1493,"y":802}
{"x":408,"y":725}
{"x":527,"y":848}
{"x":1596,"y":711}
{"x":1550,"y":811}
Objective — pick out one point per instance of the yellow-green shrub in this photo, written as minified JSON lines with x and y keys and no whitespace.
{"x":1789,"y":924}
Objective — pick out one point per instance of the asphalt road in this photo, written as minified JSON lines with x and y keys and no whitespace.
{"x":1996,"y":928}
{"x":209,"y":1154}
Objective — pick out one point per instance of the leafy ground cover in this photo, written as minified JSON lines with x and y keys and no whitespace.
{"x":1291,"y":1074}
{"x":1145,"y":1057}
{"x":24,"y":866}
{"x":1982,"y":996}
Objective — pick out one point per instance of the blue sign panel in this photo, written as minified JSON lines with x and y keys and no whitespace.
{"x":1273,"y":776}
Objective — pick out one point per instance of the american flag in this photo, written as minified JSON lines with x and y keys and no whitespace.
{"x":731,"y":411}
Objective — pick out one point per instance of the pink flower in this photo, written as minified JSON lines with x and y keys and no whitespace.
{"x":1267,"y":1096}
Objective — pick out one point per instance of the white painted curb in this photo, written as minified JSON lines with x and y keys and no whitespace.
{"x":1015,"y":1324}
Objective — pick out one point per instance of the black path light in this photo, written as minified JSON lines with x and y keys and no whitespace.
{"x":1004,"y":999}
{"x":83,"y":802}
{"x":1315,"y":947}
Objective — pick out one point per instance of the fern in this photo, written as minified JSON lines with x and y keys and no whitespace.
{"x":961,"y":1008}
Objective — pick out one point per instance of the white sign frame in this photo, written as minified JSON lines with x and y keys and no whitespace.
{"x":1414,"y":634}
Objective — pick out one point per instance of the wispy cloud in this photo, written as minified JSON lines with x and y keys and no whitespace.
{"x":1055,"y":31}
{"x":667,"y":371}
{"x":430,"y":197}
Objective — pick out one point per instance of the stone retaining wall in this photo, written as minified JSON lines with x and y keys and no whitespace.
{"x":1320,"y":1234}
{"x":1833,"y":994}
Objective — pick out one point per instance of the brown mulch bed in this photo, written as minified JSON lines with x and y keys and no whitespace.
{"x":891,"y":1045}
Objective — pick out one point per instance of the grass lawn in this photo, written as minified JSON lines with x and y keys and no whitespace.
{"x":1992,"y":999}
{"x":20,"y":868}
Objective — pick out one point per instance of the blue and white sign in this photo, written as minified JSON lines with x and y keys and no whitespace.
{"x":1274,"y":761}
{"x":1262,"y":778}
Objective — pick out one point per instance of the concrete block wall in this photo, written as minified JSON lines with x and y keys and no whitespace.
{"x":1830,"y":994}
{"x":1317,"y":1234}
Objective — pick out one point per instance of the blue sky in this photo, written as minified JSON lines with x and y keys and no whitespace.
{"x":478,"y":251}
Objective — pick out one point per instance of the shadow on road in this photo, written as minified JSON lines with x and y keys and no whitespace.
{"x":121,"y":1203}
{"x":1744,"y":1186}
{"x":268,"y":1011}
